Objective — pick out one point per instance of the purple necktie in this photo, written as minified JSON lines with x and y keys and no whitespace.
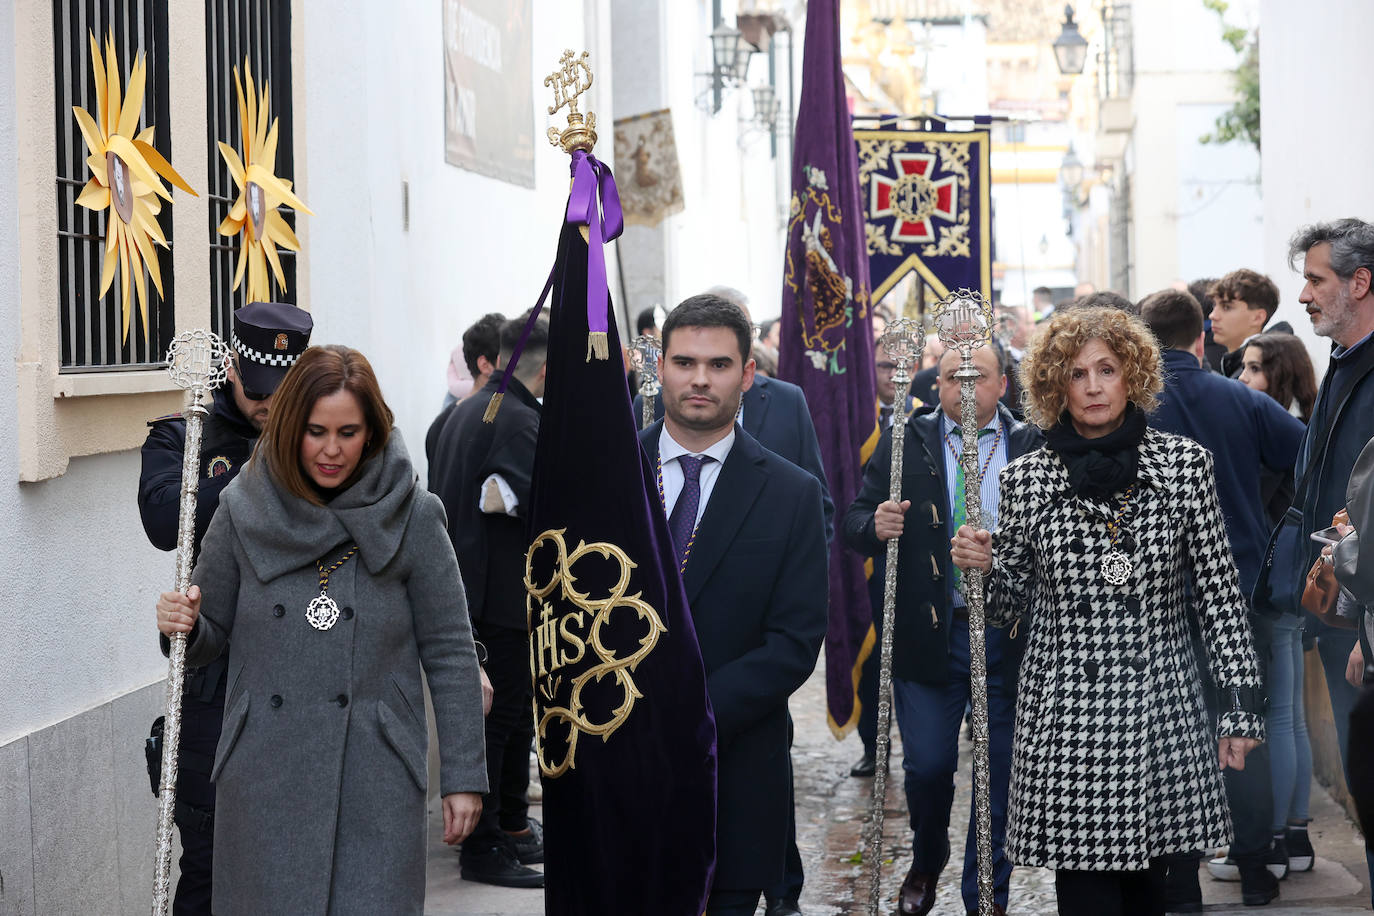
{"x":683,"y":521}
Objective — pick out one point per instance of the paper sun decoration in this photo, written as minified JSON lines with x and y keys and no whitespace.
{"x":125,"y":168}
{"x":260,"y":193}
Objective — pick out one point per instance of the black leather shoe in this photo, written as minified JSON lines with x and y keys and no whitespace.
{"x":529,"y":847}
{"x":917,"y":897}
{"x":497,"y":865}
{"x":783,"y":908}
{"x":866,"y":766}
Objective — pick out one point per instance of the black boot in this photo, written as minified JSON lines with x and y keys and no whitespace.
{"x":1258,"y":886}
{"x":1182,"y":892}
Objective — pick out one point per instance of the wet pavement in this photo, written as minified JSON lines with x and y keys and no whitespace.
{"x":831,"y":808}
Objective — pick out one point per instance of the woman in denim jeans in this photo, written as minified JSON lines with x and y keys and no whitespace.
{"x":1278,"y":365}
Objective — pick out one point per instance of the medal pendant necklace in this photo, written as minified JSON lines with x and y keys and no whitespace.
{"x":1116,"y":565}
{"x":323,"y":612}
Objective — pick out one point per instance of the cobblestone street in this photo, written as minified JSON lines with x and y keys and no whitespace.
{"x":830,"y":812}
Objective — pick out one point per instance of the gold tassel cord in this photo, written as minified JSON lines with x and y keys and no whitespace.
{"x":492,"y":407}
{"x":598,"y":345}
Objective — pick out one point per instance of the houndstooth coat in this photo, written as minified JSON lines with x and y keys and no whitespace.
{"x":1114,"y":762}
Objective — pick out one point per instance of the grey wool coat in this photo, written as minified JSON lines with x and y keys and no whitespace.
{"x":320,"y":773}
{"x":1114,"y":761}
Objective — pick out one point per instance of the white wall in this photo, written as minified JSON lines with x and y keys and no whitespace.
{"x":78,"y":573}
{"x":1195,"y":205}
{"x":731,"y":229}
{"x":374,"y":117}
{"x":1315,"y":95}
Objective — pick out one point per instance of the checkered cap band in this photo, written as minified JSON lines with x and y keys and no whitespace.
{"x":285,"y":360}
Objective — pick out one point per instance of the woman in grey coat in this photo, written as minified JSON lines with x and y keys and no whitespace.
{"x":1103,"y":533}
{"x":328,"y":576}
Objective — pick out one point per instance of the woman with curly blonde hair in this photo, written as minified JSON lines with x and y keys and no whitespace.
{"x":1112,"y":534}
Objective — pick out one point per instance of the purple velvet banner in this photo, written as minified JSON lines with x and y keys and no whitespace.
{"x":624,"y":732}
{"x":827,"y":338}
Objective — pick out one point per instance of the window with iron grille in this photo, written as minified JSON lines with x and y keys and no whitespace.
{"x":92,"y":337}
{"x":259,"y":30}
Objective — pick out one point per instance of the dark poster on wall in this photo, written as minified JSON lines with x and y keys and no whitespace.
{"x":488,"y":90}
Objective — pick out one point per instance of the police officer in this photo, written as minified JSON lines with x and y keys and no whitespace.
{"x":267,"y":339}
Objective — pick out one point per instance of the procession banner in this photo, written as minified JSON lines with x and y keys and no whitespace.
{"x":624,"y":732}
{"x":646,"y":156}
{"x":488,"y":88}
{"x":927,"y":207}
{"x":827,"y":337}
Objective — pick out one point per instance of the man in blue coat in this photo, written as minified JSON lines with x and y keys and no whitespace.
{"x":750,"y":537}
{"x":1245,"y":431}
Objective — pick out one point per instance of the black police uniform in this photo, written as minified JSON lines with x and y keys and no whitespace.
{"x":227,"y":442}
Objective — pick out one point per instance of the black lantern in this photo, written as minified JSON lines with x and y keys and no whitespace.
{"x":1070,"y":48}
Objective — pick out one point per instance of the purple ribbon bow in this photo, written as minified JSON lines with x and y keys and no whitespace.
{"x":594,"y":202}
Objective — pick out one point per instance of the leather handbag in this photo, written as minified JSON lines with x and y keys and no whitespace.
{"x":1321,"y":590}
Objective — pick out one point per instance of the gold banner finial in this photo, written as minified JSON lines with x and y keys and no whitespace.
{"x":568,"y":83}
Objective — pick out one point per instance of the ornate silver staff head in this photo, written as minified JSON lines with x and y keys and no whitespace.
{"x":197,"y":361}
{"x":904,"y":340}
{"x":963,"y":319}
{"x":644,"y":353}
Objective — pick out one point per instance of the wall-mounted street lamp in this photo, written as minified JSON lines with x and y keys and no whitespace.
{"x":1070,"y":48}
{"x":730,"y":55}
{"x":1071,"y":172}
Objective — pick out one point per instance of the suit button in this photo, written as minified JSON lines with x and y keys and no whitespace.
{"x":275,"y":701}
{"x":1077,"y":545}
{"x":342,"y":700}
{"x":278,"y":611}
{"x":1139,"y":662}
{"x":1090,"y":669}
{"x":1133,"y":604}
{"x":348,"y":613}
{"x":1085,"y":607}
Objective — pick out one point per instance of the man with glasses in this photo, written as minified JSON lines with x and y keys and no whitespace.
{"x":267,"y":339}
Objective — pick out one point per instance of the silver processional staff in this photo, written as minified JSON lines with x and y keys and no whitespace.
{"x":644,"y":353}
{"x":964,"y":322}
{"x":196,"y":361}
{"x":903,"y":341}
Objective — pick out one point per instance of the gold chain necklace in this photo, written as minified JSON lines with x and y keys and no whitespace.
{"x":323,"y":612}
{"x":1116,"y":565}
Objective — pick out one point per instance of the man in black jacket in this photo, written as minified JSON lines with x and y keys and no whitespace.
{"x":930,"y":633}
{"x":1338,"y":266}
{"x":482,"y":473}
{"x":267,"y":339}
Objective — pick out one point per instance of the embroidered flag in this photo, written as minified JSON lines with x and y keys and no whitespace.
{"x":623,"y":727}
{"x":926,"y":201}
{"x":827,"y":337}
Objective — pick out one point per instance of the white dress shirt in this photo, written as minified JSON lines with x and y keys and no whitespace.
{"x":669,"y":451}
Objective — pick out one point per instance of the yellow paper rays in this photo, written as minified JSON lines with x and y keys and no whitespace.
{"x":260,"y":193}
{"x":125,"y":170}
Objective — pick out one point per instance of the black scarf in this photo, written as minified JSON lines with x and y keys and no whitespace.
{"x":1099,"y":468}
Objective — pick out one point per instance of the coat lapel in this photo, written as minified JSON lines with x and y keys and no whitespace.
{"x":741,"y":480}
{"x":756,"y":403}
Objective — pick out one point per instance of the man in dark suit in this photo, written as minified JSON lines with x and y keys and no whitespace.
{"x":482,"y":473}
{"x":775,"y":413}
{"x":750,"y":537}
{"x":930,"y":652}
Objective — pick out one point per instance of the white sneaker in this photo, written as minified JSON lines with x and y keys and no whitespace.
{"x":1224,"y":868}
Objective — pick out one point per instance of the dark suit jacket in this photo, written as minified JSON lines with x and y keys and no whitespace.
{"x":775,"y":413}
{"x":490,"y":548}
{"x":757,"y":585}
{"x":1246,"y":432}
{"x":924,"y":615}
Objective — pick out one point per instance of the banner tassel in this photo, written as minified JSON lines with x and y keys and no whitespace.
{"x":492,"y":407}
{"x":598,"y":345}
